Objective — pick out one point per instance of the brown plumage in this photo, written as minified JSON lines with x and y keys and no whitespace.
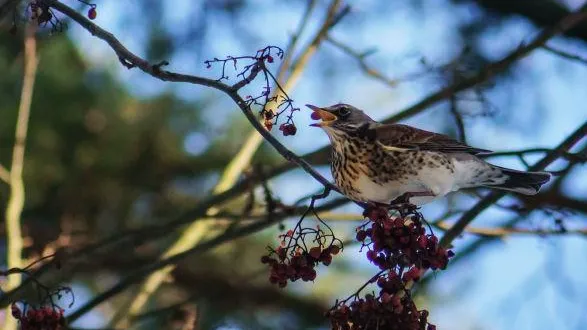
{"x":374,"y":162}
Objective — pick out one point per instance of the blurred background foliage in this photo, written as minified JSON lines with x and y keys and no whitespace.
{"x":111,"y":150}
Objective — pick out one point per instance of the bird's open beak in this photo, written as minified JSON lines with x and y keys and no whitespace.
{"x":319,"y":113}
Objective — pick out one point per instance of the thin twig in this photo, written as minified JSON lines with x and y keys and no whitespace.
{"x":577,"y":156}
{"x":17,"y":196}
{"x":370,"y":71}
{"x":458,"y":119}
{"x":565,"y":55}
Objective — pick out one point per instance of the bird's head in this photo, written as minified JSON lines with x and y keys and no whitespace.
{"x":339,"y":117}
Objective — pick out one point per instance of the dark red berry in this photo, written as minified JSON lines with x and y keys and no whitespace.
{"x":315,"y":115}
{"x":92,"y":13}
{"x":315,"y":252}
{"x":361,"y":235}
{"x":326,"y":259}
{"x":269,"y":58}
{"x":335,"y":249}
{"x":16,"y":313}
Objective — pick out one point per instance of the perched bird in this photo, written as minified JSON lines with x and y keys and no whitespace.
{"x":379,"y":163}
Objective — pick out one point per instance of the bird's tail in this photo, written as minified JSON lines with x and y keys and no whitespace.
{"x":527,"y":183}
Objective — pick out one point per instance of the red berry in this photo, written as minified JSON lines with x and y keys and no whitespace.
{"x":92,"y":13}
{"x":335,"y":249}
{"x":15,"y":311}
{"x":315,"y":115}
{"x":423,"y":241}
{"x":269,"y":58}
{"x":268,"y":125}
{"x":326,"y":259}
{"x":315,"y":252}
{"x":361,"y":235}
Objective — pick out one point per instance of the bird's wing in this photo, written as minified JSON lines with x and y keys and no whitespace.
{"x":406,"y":137}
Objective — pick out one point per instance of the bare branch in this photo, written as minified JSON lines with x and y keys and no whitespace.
{"x":458,"y":119}
{"x":360,"y":57}
{"x":564,"y":54}
{"x":132,"y":60}
{"x":493,"y":197}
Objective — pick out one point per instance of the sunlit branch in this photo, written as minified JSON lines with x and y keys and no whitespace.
{"x":14,"y":239}
{"x":504,"y":231}
{"x":4,"y":174}
{"x":291,"y":47}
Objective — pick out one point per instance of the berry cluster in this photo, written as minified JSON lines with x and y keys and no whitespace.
{"x":402,"y":250}
{"x":392,"y":309}
{"x":401,"y":242}
{"x":41,"y":318}
{"x":293,"y":260}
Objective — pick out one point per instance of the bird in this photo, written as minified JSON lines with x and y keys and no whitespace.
{"x":381,"y":163}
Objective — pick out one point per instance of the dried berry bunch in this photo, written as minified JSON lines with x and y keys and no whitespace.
{"x":401,"y":242}
{"x":272,"y":99}
{"x":403,"y":251}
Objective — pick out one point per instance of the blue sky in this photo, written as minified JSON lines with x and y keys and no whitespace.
{"x":518,"y":282}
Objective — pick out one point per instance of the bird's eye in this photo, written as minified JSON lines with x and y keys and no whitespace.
{"x":344,"y":111}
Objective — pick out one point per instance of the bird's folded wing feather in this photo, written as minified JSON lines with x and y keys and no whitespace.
{"x":406,"y":137}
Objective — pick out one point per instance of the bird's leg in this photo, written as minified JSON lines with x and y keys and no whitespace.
{"x":403,"y":205}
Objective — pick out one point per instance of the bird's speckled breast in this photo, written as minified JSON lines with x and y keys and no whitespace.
{"x":366,"y":171}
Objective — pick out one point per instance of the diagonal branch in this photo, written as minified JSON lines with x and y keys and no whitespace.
{"x":493,"y":197}
{"x":131,"y":60}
